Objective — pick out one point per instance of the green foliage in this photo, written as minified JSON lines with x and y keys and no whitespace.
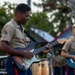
{"x":40,"y":21}
{"x":61,"y":16}
{"x":6,"y":13}
{"x":60,"y":20}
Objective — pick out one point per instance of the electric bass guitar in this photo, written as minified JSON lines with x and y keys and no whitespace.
{"x":24,"y":63}
{"x":71,"y":62}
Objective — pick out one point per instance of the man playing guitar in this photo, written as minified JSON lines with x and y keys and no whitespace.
{"x":13,"y":37}
{"x":67,"y":48}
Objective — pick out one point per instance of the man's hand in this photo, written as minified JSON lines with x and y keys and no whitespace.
{"x":48,"y":48}
{"x":73,"y":57}
{"x":27,"y":54}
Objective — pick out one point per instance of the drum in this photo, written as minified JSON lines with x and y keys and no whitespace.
{"x":40,"y":68}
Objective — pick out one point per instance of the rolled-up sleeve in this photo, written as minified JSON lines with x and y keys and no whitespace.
{"x":67,"y":46}
{"x":7,"y":33}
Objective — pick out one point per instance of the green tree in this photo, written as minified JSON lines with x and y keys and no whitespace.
{"x":6,"y":13}
{"x":59,"y":11}
{"x":40,"y":21}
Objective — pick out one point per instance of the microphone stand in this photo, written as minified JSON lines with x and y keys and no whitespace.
{"x":50,"y":56}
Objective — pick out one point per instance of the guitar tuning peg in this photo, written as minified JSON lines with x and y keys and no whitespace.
{"x":49,"y":47}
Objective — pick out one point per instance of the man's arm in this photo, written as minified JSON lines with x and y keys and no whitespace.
{"x":5,"y":47}
{"x":48,"y":49}
{"x":66,"y":55}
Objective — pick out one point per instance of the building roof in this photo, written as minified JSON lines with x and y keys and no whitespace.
{"x":65,"y":34}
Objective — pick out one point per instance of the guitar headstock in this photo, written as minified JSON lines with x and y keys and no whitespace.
{"x":49,"y":46}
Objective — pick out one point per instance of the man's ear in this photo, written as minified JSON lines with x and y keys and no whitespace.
{"x":18,"y":15}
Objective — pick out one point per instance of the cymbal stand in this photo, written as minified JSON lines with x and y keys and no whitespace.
{"x":50,"y":56}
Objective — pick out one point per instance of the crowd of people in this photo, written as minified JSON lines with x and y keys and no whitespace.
{"x":59,"y":64}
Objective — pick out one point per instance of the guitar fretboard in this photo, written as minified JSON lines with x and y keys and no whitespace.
{"x":44,"y":47}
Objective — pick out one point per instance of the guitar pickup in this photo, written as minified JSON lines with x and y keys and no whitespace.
{"x":72,"y":61}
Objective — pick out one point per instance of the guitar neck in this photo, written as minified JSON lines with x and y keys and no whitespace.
{"x":39,"y":50}
{"x":43,"y":48}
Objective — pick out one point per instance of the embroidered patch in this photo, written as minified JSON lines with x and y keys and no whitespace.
{"x":5,"y":32}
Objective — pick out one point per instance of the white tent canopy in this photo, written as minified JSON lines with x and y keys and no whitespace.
{"x":43,"y":34}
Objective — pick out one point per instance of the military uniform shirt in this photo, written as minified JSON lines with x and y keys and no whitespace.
{"x":70,"y":45}
{"x":12,"y":33}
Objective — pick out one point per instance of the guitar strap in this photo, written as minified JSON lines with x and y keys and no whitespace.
{"x":21,"y":28}
{"x":67,"y":67}
{"x":30,"y":36}
{"x":70,"y":47}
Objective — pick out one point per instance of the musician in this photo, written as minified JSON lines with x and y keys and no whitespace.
{"x":63,"y":66}
{"x":67,"y":48}
{"x":27,"y":41}
{"x":13,"y":36}
{"x":56,"y":63}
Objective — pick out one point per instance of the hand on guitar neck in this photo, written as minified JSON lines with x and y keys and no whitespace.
{"x":63,"y":40}
{"x":48,"y":48}
{"x":71,"y":61}
{"x":73,"y":58}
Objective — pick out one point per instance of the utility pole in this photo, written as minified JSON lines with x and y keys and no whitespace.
{"x":29,"y":2}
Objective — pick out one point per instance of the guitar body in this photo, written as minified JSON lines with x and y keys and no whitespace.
{"x":70,"y":62}
{"x":24,"y":63}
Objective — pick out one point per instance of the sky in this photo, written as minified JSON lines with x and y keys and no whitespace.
{"x":33,"y":8}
